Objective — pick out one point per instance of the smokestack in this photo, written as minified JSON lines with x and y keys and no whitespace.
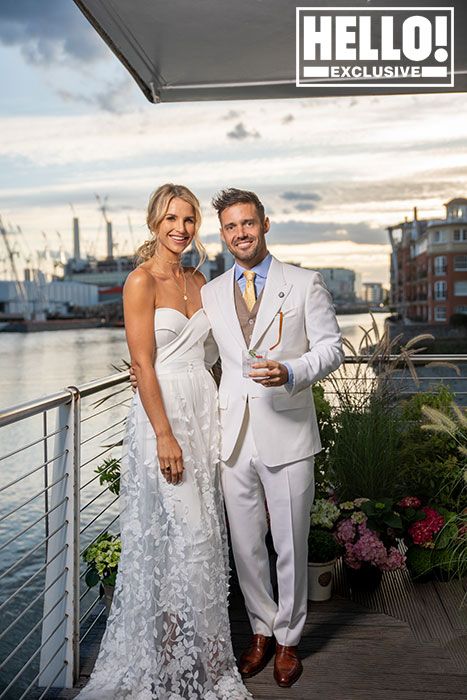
{"x":76,"y":252}
{"x":109,"y":240}
{"x":415,"y":213}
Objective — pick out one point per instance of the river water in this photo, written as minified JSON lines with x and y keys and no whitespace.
{"x":34,"y":365}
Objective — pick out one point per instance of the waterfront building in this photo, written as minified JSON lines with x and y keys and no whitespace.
{"x":373,"y":293}
{"x":212,"y":267}
{"x":344,"y":284}
{"x":35,"y":298}
{"x":429,"y":265}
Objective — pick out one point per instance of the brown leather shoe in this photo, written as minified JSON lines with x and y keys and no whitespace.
{"x":287,"y":666}
{"x":256,"y":656}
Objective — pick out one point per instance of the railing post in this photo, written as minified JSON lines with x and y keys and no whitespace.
{"x":66,"y":588}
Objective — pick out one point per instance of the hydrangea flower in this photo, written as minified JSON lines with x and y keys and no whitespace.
{"x":324,"y":513}
{"x":364,"y":546}
{"x":423,"y":531}
{"x":410,"y":502}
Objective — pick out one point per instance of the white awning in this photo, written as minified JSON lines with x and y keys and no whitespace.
{"x":188,"y":50}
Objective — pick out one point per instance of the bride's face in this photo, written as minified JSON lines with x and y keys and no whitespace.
{"x":177,"y":229}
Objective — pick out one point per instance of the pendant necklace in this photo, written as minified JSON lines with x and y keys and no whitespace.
{"x":178,"y":262}
{"x":183,"y":292}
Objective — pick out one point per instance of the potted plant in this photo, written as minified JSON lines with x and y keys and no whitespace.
{"x":102,"y":557}
{"x":323,"y":549}
{"x":367,"y":530}
{"x":322,"y":554}
{"x":435,"y":539}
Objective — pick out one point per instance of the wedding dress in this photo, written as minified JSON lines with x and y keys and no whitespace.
{"x":168,"y":632}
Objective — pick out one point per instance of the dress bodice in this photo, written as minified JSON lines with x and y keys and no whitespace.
{"x":179,"y":339}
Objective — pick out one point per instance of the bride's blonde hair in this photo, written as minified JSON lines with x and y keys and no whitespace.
{"x":158,"y":206}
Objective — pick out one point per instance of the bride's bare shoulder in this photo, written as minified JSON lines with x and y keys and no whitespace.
{"x":198,"y":276}
{"x":140,"y":282}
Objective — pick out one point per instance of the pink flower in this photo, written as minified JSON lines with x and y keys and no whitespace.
{"x":345,"y":531}
{"x":363,"y":545}
{"x":422,"y":531}
{"x":395,"y":560}
{"x":350,"y":557}
{"x":370,"y":548}
{"x":410,"y":502}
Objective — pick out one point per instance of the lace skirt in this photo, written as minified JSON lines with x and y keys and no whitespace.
{"x":168,"y":633}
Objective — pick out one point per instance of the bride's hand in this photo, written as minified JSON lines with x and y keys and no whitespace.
{"x":170,"y":458}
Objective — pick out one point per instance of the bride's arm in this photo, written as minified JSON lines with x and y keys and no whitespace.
{"x":138,"y":308}
{"x":211,"y":351}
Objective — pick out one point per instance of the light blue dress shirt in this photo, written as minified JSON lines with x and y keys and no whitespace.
{"x":261,"y":271}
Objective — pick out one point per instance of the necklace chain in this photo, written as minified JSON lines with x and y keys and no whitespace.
{"x":178,"y":262}
{"x":183,"y":291}
{"x":170,"y":262}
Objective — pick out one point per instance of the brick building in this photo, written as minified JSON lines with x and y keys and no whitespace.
{"x":429,"y":265}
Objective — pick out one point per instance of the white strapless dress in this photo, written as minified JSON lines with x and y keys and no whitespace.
{"x":168,"y":632}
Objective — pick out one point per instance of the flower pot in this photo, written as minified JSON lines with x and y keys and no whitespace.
{"x":320,"y":580}
{"x":108,"y":595}
{"x":367,"y":578}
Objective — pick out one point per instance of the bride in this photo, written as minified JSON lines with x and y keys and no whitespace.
{"x":168,"y":633}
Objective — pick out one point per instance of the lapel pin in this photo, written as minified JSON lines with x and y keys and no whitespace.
{"x":281,"y":294}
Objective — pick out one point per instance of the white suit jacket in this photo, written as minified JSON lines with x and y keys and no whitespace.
{"x":284,"y":422}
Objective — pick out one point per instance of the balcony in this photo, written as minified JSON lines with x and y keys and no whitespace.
{"x":405,"y":636}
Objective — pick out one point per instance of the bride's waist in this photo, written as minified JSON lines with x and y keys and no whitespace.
{"x":171,"y":367}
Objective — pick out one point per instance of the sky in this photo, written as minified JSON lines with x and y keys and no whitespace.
{"x":333,"y":173}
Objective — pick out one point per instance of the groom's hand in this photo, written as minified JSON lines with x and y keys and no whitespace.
{"x":269,"y":373}
{"x":133,"y":380}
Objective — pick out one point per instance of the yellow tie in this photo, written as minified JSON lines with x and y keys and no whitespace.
{"x":249,"y":294}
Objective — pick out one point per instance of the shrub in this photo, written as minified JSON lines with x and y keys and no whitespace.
{"x":419,"y":562}
{"x":326,"y":426}
{"x":322,"y":547}
{"x":364,"y":460}
{"x":430,"y":460}
{"x":109,"y":472}
{"x":102,"y":556}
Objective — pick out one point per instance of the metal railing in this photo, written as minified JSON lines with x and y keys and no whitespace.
{"x":47,"y":519}
{"x":53,"y":508}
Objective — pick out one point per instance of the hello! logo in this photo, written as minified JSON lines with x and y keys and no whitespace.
{"x":377,"y":47}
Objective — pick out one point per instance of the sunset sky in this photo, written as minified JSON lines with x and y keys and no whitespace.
{"x":332,"y":173}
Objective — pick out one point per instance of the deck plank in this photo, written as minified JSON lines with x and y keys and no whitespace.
{"x":350,"y":651}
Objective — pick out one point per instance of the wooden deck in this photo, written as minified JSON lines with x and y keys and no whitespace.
{"x":405,"y":641}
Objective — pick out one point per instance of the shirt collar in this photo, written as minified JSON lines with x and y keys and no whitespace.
{"x":261,"y":268}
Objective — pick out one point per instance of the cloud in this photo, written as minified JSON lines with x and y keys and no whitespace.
{"x":231,"y":114}
{"x":300,"y":196}
{"x":240,"y":133}
{"x":48,"y":30}
{"x":293,"y":232}
{"x":113,"y":98}
{"x":305,"y":206}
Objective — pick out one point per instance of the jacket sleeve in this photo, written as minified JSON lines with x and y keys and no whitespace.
{"x":325,"y":352}
{"x":211,"y":351}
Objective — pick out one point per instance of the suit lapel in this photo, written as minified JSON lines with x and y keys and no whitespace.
{"x":275,"y":293}
{"x":226,"y":302}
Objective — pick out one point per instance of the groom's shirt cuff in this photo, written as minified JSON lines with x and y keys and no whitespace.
{"x":290,"y":382}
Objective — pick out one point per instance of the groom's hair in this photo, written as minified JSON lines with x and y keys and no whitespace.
{"x":226,"y":198}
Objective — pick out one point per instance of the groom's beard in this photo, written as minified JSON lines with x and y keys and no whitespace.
{"x":245,"y":255}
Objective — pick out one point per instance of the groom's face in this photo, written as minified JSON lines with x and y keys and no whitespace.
{"x":244,"y":233}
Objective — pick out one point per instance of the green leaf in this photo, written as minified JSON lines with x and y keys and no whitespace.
{"x":110,"y":580}
{"x":92,"y":578}
{"x":393,"y":520}
{"x":446,"y":535}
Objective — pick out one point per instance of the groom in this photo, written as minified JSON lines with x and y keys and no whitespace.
{"x":268,"y":422}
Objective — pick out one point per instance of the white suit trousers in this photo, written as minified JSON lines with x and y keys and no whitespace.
{"x":289,"y":491}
